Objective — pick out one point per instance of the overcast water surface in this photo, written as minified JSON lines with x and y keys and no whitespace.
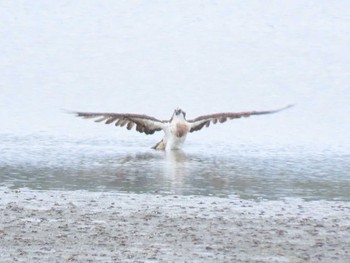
{"x":246,"y":171}
{"x":153,"y":56}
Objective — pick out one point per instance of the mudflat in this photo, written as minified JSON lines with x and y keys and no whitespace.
{"x":81,"y":226}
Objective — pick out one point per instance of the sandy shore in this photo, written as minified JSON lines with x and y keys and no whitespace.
{"x":58,"y":226}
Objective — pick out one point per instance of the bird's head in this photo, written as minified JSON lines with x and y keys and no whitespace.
{"x":179,"y":113}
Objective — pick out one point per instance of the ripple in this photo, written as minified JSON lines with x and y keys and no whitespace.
{"x":250,"y":172}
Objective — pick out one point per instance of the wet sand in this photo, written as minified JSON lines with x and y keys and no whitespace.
{"x":78,"y":226}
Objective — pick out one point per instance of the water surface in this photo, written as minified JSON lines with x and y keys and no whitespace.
{"x":152,"y":57}
{"x":245,"y":170}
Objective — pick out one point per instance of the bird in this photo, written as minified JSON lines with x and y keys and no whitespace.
{"x":175,"y":130}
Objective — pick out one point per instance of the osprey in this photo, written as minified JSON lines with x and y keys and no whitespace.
{"x":175,"y":129}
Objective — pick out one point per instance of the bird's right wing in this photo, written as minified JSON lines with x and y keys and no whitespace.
{"x":144,"y":124}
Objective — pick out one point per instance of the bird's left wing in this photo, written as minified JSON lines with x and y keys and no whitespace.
{"x":144,"y":124}
{"x":205,"y":120}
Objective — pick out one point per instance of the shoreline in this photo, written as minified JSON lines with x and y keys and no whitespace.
{"x":81,"y":226}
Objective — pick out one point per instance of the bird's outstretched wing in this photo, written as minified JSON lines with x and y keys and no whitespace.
{"x":144,"y":124}
{"x":205,"y":120}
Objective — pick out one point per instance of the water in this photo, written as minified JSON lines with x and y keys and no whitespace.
{"x":205,"y":57}
{"x":246,"y":171}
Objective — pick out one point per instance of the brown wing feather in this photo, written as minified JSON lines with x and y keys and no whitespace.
{"x":205,"y":120}
{"x":144,"y":124}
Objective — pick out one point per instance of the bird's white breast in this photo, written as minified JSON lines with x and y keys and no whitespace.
{"x":175,"y":134}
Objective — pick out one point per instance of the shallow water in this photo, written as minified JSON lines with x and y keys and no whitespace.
{"x":243,"y":170}
{"x":151,"y":58}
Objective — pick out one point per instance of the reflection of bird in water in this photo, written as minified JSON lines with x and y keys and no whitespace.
{"x":175,"y":129}
{"x":177,"y":156}
{"x":176,"y":169}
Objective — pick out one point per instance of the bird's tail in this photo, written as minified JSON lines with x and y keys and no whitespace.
{"x":160,"y":146}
